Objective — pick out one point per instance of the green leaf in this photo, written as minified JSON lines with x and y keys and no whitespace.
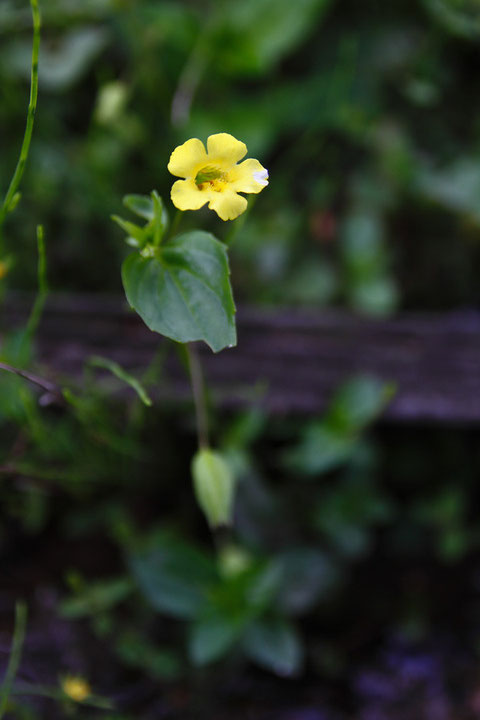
{"x":308,"y":575}
{"x":460,"y":17}
{"x":327,"y":444}
{"x":455,"y":187}
{"x":274,"y":645}
{"x":212,"y":637}
{"x":173,"y":576}
{"x":263,"y":586}
{"x":141,"y":205}
{"x":97,"y":597}
{"x":121,"y":374}
{"x":144,"y":653}
{"x":151,"y":209}
{"x":378,"y":296}
{"x":64,"y":62}
{"x":133,"y":231}
{"x":320,"y":449}
{"x":184,"y":291}
{"x":261,"y":32}
{"x":359,"y":402}
{"x":348,"y":512}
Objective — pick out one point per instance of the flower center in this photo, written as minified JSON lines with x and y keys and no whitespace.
{"x":209,"y":174}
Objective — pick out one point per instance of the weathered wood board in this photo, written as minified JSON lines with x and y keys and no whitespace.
{"x":289,"y":360}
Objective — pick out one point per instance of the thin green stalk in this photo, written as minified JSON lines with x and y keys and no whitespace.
{"x":15,"y":655}
{"x":198,"y":389}
{"x":42,"y":292}
{"x":12,"y":193}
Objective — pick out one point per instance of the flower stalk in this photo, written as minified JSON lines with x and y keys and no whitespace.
{"x":181,"y":287}
{"x":199,"y":395}
{"x":12,"y":196}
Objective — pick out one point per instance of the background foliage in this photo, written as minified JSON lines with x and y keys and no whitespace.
{"x":365,"y":116}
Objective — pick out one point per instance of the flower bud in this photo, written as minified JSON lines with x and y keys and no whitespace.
{"x":214,"y":486}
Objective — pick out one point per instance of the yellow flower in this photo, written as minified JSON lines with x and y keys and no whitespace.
{"x":76,"y":688}
{"x":214,"y":176}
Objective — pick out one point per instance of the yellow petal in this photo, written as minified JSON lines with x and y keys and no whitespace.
{"x":186,"y":158}
{"x":225,"y":149}
{"x":250,"y":177}
{"x":186,"y":195}
{"x":227,"y":204}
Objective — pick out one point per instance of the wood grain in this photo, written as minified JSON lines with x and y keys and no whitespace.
{"x":288,"y":360}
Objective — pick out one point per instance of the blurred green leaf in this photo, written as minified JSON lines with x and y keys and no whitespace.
{"x":137,"y":651}
{"x":64,"y":62}
{"x":455,"y":187}
{"x":263,"y":586}
{"x":320,"y":449}
{"x":460,"y":17}
{"x":275,"y":646}
{"x":245,"y":428}
{"x":346,"y":513}
{"x":212,"y":636}
{"x":254,"y":35}
{"x":378,"y":296}
{"x":443,"y":509}
{"x":369,"y":286}
{"x":308,"y":576}
{"x":173,"y":576}
{"x":325,"y":445}
{"x":359,"y":402}
{"x":97,"y":597}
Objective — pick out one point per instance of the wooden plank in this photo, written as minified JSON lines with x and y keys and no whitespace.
{"x":289,"y":360}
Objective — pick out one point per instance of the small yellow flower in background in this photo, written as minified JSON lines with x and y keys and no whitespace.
{"x":76,"y":687}
{"x":214,"y":176}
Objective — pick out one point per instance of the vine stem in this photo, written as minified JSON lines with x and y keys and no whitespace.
{"x":15,"y":655}
{"x":32,"y":106}
{"x":198,"y":389}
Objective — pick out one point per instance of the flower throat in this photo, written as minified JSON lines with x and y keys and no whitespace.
{"x":208,"y":174}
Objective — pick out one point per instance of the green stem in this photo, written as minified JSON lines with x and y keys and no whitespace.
{"x":176,"y":223}
{"x":15,"y":655}
{"x":42,"y":292}
{"x":198,"y":389}
{"x":32,"y":106}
